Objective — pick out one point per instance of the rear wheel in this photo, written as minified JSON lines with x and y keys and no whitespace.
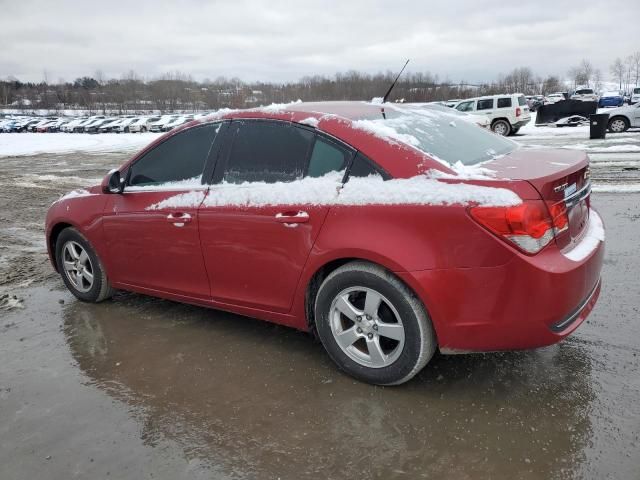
{"x":501,"y":127}
{"x":372,"y":326}
{"x":80,"y":267}
{"x":618,"y":125}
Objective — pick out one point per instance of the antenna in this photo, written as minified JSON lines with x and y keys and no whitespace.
{"x":386,"y":95}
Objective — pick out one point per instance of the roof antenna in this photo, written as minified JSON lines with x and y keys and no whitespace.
{"x":386,"y":95}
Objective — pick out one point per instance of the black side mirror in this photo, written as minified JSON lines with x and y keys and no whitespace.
{"x":115,"y":184}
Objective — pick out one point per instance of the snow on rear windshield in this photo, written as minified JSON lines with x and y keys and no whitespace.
{"x":440,"y":135}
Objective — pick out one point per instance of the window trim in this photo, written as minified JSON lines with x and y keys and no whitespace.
{"x":210,"y":157}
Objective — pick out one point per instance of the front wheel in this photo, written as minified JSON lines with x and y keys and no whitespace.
{"x":80,"y":267}
{"x":501,"y":127}
{"x":618,"y":125}
{"x":372,"y":326}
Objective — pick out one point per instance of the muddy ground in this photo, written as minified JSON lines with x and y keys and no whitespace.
{"x":139,"y":388}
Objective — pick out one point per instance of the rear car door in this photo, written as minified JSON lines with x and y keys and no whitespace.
{"x":255,"y":249}
{"x":152,"y":227}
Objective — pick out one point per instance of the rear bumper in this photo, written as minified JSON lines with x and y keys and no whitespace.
{"x":521,"y":123}
{"x":529,"y":302}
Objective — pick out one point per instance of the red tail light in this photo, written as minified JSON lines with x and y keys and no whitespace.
{"x":529,"y":226}
{"x":518,"y":111}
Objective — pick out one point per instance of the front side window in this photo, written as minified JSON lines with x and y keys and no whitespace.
{"x":266,"y":151}
{"x":465,"y":107}
{"x":327,"y":156}
{"x":180,"y":158}
{"x":486,"y":104}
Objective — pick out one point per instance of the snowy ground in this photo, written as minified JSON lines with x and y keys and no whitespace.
{"x":615,"y":161}
{"x":20,"y":144}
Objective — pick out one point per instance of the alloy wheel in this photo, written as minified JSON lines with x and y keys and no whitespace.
{"x":367,"y":327}
{"x":77,"y":266}
{"x":617,"y":126}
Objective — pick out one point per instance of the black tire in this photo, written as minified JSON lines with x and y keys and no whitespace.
{"x":501,"y":127}
{"x":100,"y":288}
{"x":615,"y":121}
{"x":419,"y":337}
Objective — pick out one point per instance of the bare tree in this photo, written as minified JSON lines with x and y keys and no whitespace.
{"x":635,"y":67}
{"x":617,"y":71}
{"x":586,"y":70}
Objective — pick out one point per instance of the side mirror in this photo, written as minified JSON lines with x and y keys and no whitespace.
{"x":113,"y":183}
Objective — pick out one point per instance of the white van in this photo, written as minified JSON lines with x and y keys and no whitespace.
{"x":507,"y":113}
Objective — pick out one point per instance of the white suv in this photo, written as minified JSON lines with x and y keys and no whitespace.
{"x":635,"y":96}
{"x":507,"y":113}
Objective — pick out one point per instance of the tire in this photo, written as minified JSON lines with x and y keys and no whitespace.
{"x":501,"y":127}
{"x":86,"y":279}
{"x":618,"y":125}
{"x":400,"y":314}
{"x":143,"y":130}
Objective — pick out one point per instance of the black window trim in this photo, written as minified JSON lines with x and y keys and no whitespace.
{"x":211,"y":157}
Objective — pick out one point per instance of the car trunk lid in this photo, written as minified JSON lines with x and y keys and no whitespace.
{"x":561,"y":177}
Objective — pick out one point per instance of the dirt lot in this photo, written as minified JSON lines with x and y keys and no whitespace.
{"x":142,"y":388}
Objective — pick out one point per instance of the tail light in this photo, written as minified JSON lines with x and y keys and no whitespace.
{"x":530,"y":226}
{"x":518,"y":111}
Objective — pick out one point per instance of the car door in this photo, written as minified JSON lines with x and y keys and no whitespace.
{"x":485,"y":106}
{"x":255,"y":249}
{"x":635,"y":114}
{"x":151,"y":228}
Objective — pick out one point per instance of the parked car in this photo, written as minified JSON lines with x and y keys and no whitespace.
{"x":176,"y":122}
{"x":585,"y":95}
{"x":68,"y":127}
{"x":623,"y":118}
{"x":79,"y":128}
{"x":611,"y":99}
{"x":324,"y":218}
{"x":554,"y":98}
{"x":110,"y":126}
{"x":92,"y":127}
{"x":123,"y":127}
{"x":33,"y":126}
{"x":481,"y":121}
{"x":142,"y":124}
{"x":635,"y":96}
{"x":507,"y":113}
{"x":159,"y":124}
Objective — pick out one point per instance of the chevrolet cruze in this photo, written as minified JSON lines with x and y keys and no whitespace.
{"x":388,"y":231}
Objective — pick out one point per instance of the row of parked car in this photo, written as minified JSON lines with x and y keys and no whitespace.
{"x":97,"y":123}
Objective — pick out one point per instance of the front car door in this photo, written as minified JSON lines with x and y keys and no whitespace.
{"x":152,"y":227}
{"x":259,"y":222}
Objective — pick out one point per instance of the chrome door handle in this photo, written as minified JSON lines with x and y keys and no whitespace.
{"x":292,"y":219}
{"x":179,"y":219}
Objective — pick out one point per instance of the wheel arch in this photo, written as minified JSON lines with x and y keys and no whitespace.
{"x":52,"y":240}
{"x":321,"y":272}
{"x":625,"y":119}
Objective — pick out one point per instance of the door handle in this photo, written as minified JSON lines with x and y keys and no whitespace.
{"x":179,"y":219}
{"x":292,"y":219}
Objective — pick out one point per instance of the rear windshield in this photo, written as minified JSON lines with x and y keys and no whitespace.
{"x":636,"y":90}
{"x":445,"y":136}
{"x":584,"y":91}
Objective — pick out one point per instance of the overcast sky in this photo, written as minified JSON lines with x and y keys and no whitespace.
{"x":472,"y":40}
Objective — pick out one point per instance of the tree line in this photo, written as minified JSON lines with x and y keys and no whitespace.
{"x":177,"y":91}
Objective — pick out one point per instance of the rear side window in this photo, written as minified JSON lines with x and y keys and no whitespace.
{"x":521,"y":101}
{"x":486,"y":104}
{"x":327,"y":157}
{"x":270,"y":152}
{"x":181,"y":157}
{"x":504,"y":102}
{"x":363,"y":167}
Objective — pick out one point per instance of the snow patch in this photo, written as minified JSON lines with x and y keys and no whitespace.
{"x":76,"y":193}
{"x":590,"y":241}
{"x":627,"y":188}
{"x":312,"y":121}
{"x":191,"y":199}
{"x":372,"y":190}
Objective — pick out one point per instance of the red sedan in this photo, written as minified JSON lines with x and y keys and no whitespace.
{"x":390,"y":231}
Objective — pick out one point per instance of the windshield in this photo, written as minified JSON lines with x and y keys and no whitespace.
{"x":444,"y":136}
{"x":636,"y":90}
